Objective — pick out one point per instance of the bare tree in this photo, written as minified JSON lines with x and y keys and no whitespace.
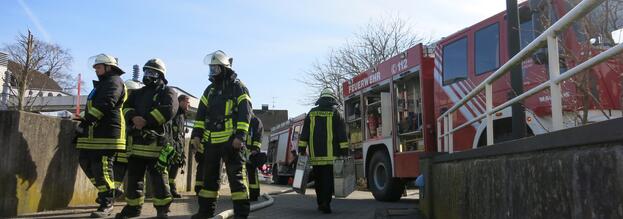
{"x":33,"y":56}
{"x":56,"y":64}
{"x":374,"y":43}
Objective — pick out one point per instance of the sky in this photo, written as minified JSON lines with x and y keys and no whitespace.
{"x":273,"y":42}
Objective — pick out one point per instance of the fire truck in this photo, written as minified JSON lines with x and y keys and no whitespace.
{"x":283,"y":139}
{"x":391,"y":109}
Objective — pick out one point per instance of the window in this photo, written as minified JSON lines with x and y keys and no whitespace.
{"x":455,"y":61}
{"x":297,"y":131}
{"x":526,"y":33}
{"x":487,"y":49}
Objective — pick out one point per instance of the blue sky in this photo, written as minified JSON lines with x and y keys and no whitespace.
{"x":273,"y":42}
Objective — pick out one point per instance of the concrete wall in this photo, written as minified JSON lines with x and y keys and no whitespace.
{"x":39,"y":167}
{"x":574,"y":173}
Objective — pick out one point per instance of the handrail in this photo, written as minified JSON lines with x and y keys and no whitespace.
{"x":549,"y":36}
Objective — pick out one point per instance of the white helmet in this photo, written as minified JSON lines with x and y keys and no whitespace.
{"x":133,"y":85}
{"x":327,"y":92}
{"x":218,"y":58}
{"x":104,"y":59}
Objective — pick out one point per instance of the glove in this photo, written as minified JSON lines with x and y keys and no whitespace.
{"x":166,"y":155}
{"x":237,"y":144}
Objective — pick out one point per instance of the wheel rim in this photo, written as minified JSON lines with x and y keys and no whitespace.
{"x":380,"y":176}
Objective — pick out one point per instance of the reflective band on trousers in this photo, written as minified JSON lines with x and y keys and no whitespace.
{"x":135,"y":202}
{"x":162,"y":202}
{"x":208,"y":194}
{"x":239,"y":195}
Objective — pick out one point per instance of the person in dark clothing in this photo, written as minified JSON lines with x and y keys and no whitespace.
{"x":179,"y":131}
{"x":102,"y":130}
{"x":253,"y":145}
{"x":221,"y":125}
{"x":324,"y":132}
{"x":151,"y":109}
{"x":121,"y":158}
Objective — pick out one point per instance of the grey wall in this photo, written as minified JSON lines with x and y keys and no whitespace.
{"x":574,"y":173}
{"x":39,"y":167}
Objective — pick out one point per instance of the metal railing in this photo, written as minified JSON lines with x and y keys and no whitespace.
{"x":549,"y":36}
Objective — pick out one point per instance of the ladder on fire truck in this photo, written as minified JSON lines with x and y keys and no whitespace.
{"x":549,"y":36}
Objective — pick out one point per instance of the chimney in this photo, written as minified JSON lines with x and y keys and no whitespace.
{"x":135,"y":73}
{"x":264,"y":107}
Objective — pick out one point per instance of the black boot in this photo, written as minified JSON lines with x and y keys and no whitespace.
{"x":106,"y":204}
{"x":174,"y":191}
{"x":103,"y":210}
{"x":325,"y":209}
{"x":162,"y":212}
{"x":206,"y":208}
{"x":129,"y":212}
{"x":118,"y":194}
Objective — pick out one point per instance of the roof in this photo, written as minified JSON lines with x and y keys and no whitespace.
{"x":183,"y":91}
{"x":39,"y":80}
{"x":271,"y":118}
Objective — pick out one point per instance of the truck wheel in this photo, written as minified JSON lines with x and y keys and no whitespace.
{"x":380,"y":181}
{"x":277,"y":179}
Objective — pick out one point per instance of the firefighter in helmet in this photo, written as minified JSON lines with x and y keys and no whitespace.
{"x":102,"y":130}
{"x":325,"y":133}
{"x":221,"y":125}
{"x":121,"y":158}
{"x":255,"y":157}
{"x":179,"y":131}
{"x":150,"y":110}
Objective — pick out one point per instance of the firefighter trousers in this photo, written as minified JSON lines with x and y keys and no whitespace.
{"x":173,"y":170}
{"x":137,"y":166}
{"x":236,"y":174}
{"x":323,"y":184}
{"x":98,"y":167}
{"x":254,"y":182}
{"x":119,"y":168}
{"x":200,"y":172}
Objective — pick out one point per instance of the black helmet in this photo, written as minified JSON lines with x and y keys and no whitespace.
{"x":157,"y":65}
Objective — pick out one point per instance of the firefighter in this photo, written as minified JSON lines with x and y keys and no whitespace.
{"x":255,"y":157}
{"x":179,"y":131}
{"x":102,"y":130}
{"x":221,"y":125}
{"x":121,"y":158}
{"x":150,"y":110}
{"x":324,"y":133}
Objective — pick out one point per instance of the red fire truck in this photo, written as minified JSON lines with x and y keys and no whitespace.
{"x":391,"y":110}
{"x":283,"y":139}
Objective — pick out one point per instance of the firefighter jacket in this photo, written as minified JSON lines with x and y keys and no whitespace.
{"x":324,"y":133}
{"x":224,"y":111}
{"x":178,"y":131}
{"x":254,"y":136}
{"x":104,"y":124}
{"x":157,"y":105}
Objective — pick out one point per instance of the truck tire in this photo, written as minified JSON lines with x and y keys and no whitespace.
{"x":277,"y":179}
{"x":380,"y":181}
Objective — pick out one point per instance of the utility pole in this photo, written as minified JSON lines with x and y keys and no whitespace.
{"x":519,"y":113}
